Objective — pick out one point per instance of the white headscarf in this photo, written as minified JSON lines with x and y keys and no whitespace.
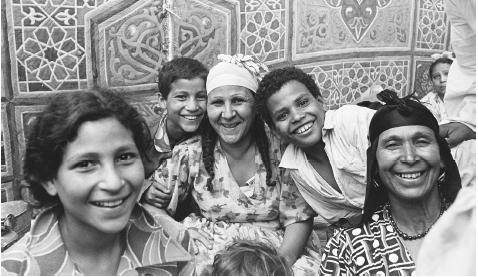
{"x":237,"y":70}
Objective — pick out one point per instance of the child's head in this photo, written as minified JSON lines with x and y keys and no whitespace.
{"x":250,"y":258}
{"x":182,"y":83}
{"x":438,"y":73}
{"x":84,"y":152}
{"x":289,"y":101}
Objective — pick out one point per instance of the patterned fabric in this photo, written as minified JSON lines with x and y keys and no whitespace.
{"x":345,"y":137}
{"x":373,"y":249}
{"x":434,"y":103}
{"x":161,"y":139}
{"x":263,"y":214}
{"x":154,"y":249}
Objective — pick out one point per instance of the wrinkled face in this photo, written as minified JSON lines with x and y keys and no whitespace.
{"x":231,"y":112}
{"x":297,"y":115}
{"x":100,"y":177}
{"x":186,"y":105}
{"x":439,"y":77}
{"x":409,"y":162}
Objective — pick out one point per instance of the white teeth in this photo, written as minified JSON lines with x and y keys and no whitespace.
{"x":304,"y":128}
{"x":108,"y":204}
{"x":410,"y":175}
{"x":191,"y":117}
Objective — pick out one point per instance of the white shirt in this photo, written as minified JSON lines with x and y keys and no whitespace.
{"x":345,"y":136}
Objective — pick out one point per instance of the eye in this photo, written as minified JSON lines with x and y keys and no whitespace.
{"x":423,"y":142}
{"x":216,"y":103}
{"x":282,"y":116}
{"x":85,"y":165}
{"x":126,"y":158}
{"x":238,"y":100}
{"x":303,"y":102}
{"x":436,"y":77}
{"x":180,"y":97}
{"x":391,"y":145}
{"x":201,"y":97}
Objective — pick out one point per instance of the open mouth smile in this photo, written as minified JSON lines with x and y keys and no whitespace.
{"x":191,"y":117}
{"x":410,"y":176}
{"x":304,"y":128}
{"x":109,"y":204}
{"x":230,"y":125}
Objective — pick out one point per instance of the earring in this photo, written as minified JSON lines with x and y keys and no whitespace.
{"x":375,"y":184}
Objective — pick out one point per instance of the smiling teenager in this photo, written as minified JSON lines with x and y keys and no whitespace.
{"x":84,"y":165}
{"x":326,"y":151}
{"x":182,"y":84}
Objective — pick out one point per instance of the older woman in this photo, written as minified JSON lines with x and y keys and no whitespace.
{"x":411,"y":180}
{"x":232,"y":173}
{"x":84,"y":164}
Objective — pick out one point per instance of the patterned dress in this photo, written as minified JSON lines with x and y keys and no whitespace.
{"x":231,"y":212}
{"x":373,"y":249}
{"x":150,"y":249}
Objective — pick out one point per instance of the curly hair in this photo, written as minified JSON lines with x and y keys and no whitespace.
{"x":273,"y":82}
{"x":58,"y":124}
{"x":435,"y":63}
{"x":179,"y":68}
{"x":250,"y":258}
{"x":208,"y":143}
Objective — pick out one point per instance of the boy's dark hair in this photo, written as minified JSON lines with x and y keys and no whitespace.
{"x":58,"y":124}
{"x":179,"y":68}
{"x":250,"y":258}
{"x":273,"y":82}
{"x":435,"y":63}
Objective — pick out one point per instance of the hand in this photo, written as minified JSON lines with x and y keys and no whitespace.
{"x":199,"y":236}
{"x":456,"y":132}
{"x":157,"y":195}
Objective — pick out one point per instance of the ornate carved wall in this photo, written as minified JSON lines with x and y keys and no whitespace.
{"x":62,"y":46}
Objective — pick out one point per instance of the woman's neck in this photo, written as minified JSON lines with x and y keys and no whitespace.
{"x":238,"y":149}
{"x":415,"y":217}
{"x":88,"y":246}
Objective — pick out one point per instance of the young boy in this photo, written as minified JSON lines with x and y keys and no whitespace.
{"x":326,"y":155}
{"x":182,"y":84}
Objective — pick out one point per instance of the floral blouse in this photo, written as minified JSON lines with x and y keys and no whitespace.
{"x":273,"y":206}
{"x":373,"y":249}
{"x":150,"y":249}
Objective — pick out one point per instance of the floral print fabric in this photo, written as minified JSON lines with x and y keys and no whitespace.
{"x":150,"y":249}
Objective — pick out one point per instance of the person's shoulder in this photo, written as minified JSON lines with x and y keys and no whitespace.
{"x":18,"y":259}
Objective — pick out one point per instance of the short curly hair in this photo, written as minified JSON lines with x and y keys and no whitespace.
{"x":179,"y":68}
{"x":250,"y":258}
{"x":58,"y":124}
{"x":274,"y":81}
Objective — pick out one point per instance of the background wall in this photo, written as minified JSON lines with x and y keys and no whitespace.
{"x":63,"y":46}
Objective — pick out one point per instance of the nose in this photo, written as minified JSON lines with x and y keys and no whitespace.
{"x":444,"y":77}
{"x":297,"y":115}
{"x":409,"y":155}
{"x":228,"y":111}
{"x":192,"y":105}
{"x":112,"y":180}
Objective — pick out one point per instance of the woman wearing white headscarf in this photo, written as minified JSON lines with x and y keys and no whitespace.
{"x":232,"y":173}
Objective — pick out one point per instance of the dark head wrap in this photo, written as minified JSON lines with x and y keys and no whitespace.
{"x":399,"y":112}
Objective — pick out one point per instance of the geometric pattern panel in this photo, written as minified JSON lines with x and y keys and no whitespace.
{"x":421,"y":81}
{"x":24,"y":117}
{"x":6,"y":145}
{"x":342,"y":82}
{"x":148,"y":106}
{"x":432,"y":25}
{"x":332,"y":26}
{"x":264,"y":31}
{"x":202,"y":30}
{"x":132,"y":44}
{"x":46,"y":40}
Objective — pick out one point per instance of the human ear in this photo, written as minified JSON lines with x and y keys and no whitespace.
{"x":50,"y":187}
